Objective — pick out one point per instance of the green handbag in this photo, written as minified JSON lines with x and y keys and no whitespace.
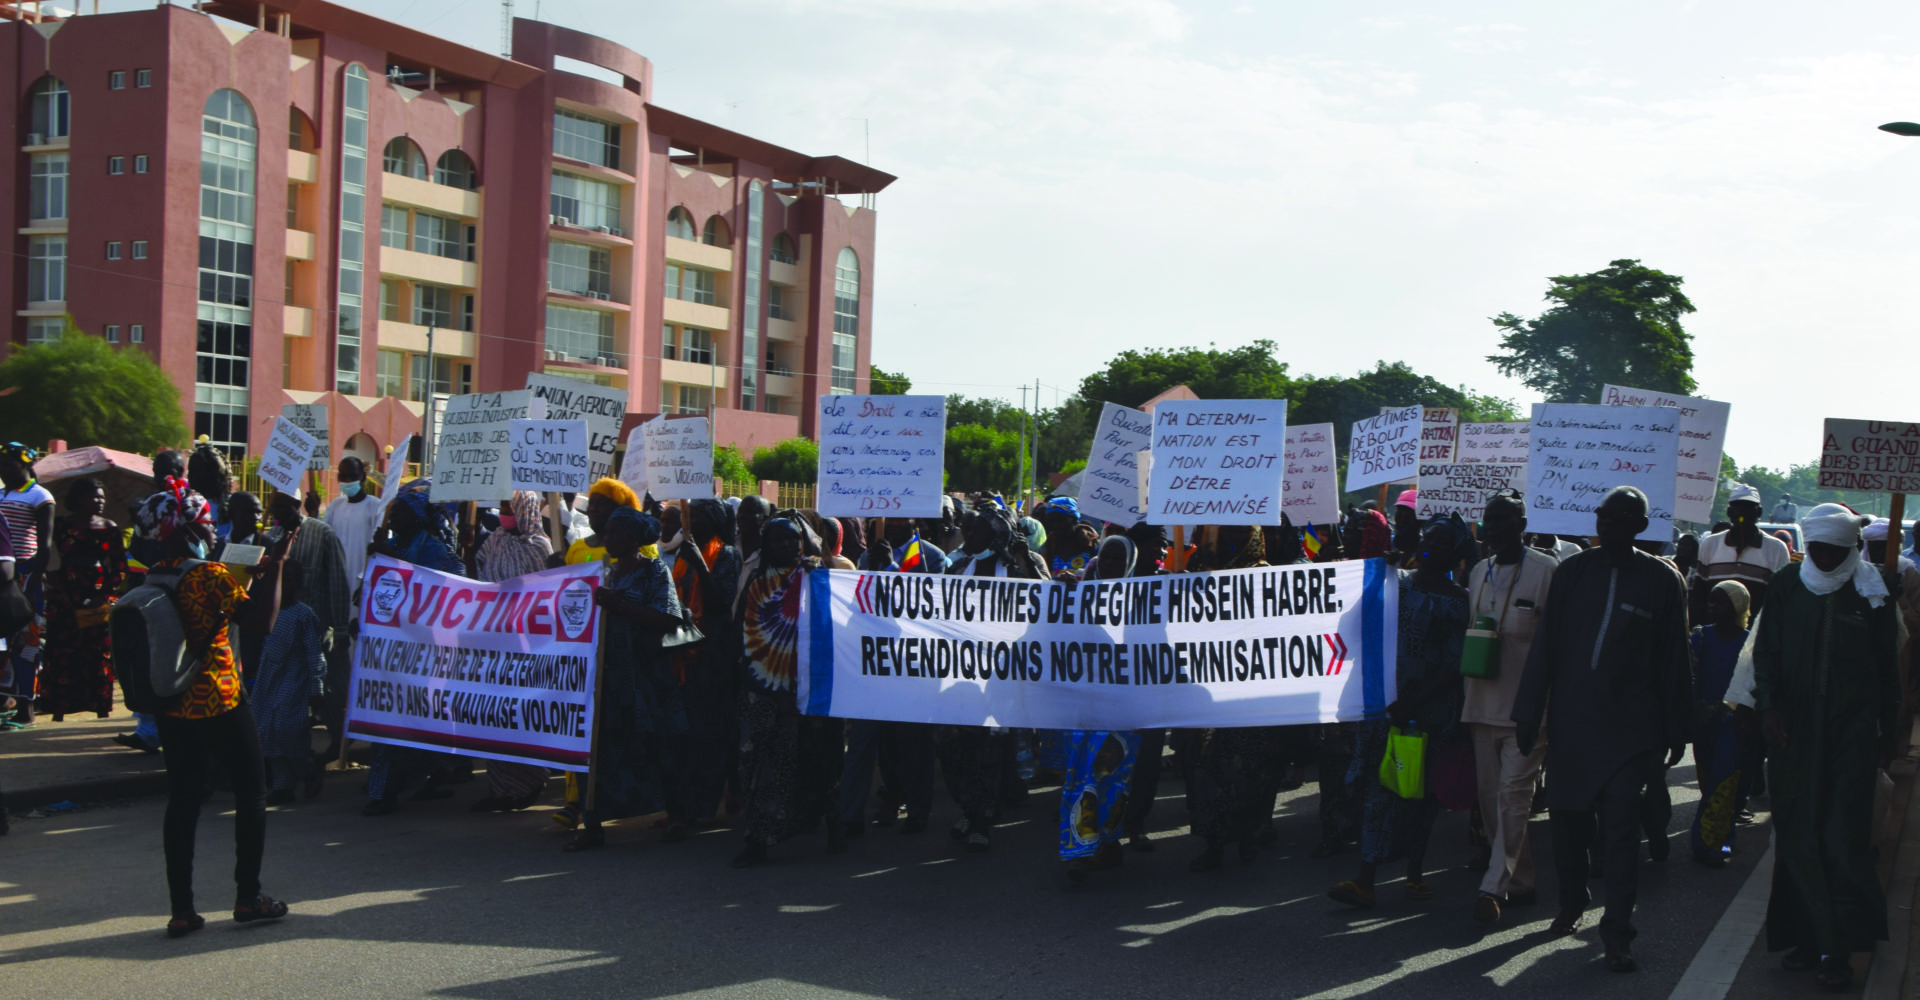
{"x":1403,"y":768}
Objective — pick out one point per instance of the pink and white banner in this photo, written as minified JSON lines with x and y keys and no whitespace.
{"x":499,"y":670}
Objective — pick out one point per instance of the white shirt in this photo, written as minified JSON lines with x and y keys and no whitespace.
{"x":1718,"y":560}
{"x":354,"y":524}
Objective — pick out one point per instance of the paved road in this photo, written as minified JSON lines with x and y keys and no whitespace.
{"x":437,"y":901}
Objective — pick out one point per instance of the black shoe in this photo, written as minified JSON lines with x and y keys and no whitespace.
{"x":1658,"y":849}
{"x":1620,"y":958}
{"x":280,"y":797}
{"x":380,"y":807}
{"x":1139,"y":842}
{"x":885,"y":815}
{"x":180,"y":927}
{"x":134,"y":742}
{"x":1528,"y":898}
{"x":1565,"y":923}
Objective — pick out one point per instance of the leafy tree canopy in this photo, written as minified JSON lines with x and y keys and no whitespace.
{"x":795,"y":460}
{"x":886,"y":383}
{"x":87,"y":392}
{"x":1620,"y":324}
{"x":1133,"y":377}
{"x":731,"y":466}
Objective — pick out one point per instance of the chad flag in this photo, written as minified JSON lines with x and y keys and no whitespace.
{"x":910,"y":559}
{"x":1310,"y":540}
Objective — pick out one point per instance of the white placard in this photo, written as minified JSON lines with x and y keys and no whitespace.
{"x":1313,"y":476}
{"x":400,"y":455}
{"x":472,"y":460}
{"x":1114,"y":487}
{"x":678,"y":457}
{"x":881,"y":456}
{"x":1439,"y":434}
{"x":1464,"y":489}
{"x":633,"y":468}
{"x":1218,"y":461}
{"x":1703,"y":435}
{"x":603,"y":407}
{"x":312,"y":418}
{"x":1882,"y":456}
{"x":1385,"y":449}
{"x":284,"y":462}
{"x":1501,"y":442}
{"x":1583,"y":450}
{"x":549,"y":456}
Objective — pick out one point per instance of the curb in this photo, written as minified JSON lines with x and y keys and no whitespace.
{"x":98,"y":789}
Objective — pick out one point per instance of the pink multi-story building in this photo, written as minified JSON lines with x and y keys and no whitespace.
{"x":291,"y":202}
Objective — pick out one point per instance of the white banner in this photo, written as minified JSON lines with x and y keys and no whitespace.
{"x":603,"y":407}
{"x":1502,"y":442}
{"x":1259,"y":647}
{"x":499,"y":670}
{"x":1384,"y":449}
{"x":1464,"y":489}
{"x":678,"y":458}
{"x":397,"y":460}
{"x":1218,"y":461}
{"x":284,"y":461}
{"x":881,"y":456}
{"x":1114,"y":486}
{"x":1882,"y":456}
{"x":473,"y":460}
{"x":1313,"y":476}
{"x":312,"y":418}
{"x":549,"y":456}
{"x":1583,"y":450}
{"x":1703,"y":435}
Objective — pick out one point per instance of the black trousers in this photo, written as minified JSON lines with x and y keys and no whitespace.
{"x":1146,"y":780}
{"x":1614,"y":823}
{"x":904,"y":751}
{"x":192,"y":748}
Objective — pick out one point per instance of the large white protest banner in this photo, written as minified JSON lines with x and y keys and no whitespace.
{"x":312,"y":418}
{"x":1703,"y":436}
{"x":1385,"y":449}
{"x":500,"y":670}
{"x":1500,"y":442}
{"x":1113,"y":488}
{"x":679,"y":458}
{"x":881,"y":456}
{"x":1583,"y":450}
{"x":1262,"y":647}
{"x":1882,"y":456}
{"x":284,"y":462}
{"x":603,"y":407}
{"x":1313,"y":477}
{"x":1218,"y":461}
{"x":1464,"y":489}
{"x":473,"y":459}
{"x":549,"y":456}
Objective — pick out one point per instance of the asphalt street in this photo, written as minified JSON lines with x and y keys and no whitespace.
{"x":438,"y":901}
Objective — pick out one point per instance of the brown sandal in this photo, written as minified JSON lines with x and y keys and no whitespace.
{"x":1351,"y":894}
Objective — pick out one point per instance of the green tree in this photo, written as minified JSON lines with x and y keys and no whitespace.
{"x":1619,"y":325}
{"x":795,"y":460}
{"x":1342,"y":400}
{"x":981,"y":458}
{"x":885,"y":383}
{"x":87,"y":392}
{"x":731,"y":466}
{"x":1133,"y":377}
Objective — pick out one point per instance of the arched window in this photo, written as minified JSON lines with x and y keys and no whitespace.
{"x":680,"y":224}
{"x":716,"y":233}
{"x":846,"y":320}
{"x":783,"y":249}
{"x":51,"y":104}
{"x":404,"y":158}
{"x":301,"y":134}
{"x":455,"y":169}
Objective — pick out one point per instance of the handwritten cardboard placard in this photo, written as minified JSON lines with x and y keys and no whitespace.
{"x":312,"y":418}
{"x":1113,"y":488}
{"x":473,"y":460}
{"x":1385,"y":449}
{"x":1218,"y":461}
{"x":1439,"y":434}
{"x":1703,"y":436}
{"x":284,"y":463}
{"x":1878,"y":455}
{"x":881,"y":456}
{"x":604,"y":408}
{"x":1500,"y":442}
{"x":1464,"y":489}
{"x":1583,"y":450}
{"x":549,"y":456}
{"x":678,"y":455}
{"x":1312,"y":486}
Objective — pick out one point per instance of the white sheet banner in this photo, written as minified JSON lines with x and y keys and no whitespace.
{"x":1313,"y":476}
{"x":881,"y":456}
{"x":499,"y":670}
{"x":1257,"y":647}
{"x":1703,"y":436}
{"x":1583,"y":450}
{"x":1114,"y":487}
{"x":1218,"y":461}
{"x":1384,"y":449}
{"x":1502,"y":442}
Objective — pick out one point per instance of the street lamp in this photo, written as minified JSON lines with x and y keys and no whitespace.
{"x":1901,"y":128}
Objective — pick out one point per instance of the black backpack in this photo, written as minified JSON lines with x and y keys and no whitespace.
{"x":150,"y":645}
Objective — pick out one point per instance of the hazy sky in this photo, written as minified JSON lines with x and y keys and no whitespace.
{"x":1353,"y":181}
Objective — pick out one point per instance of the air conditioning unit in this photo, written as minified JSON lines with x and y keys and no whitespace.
{"x":550,"y":356}
{"x":560,"y":356}
{"x":617,"y":231}
{"x":600,"y":229}
{"x":36,"y":139}
{"x":557,"y":220}
{"x":609,"y":361}
{"x":602,"y":296}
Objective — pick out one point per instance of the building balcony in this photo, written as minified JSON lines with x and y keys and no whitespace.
{"x":438,"y":198}
{"x":785,"y":330}
{"x":37,"y":307}
{"x":693,"y":373}
{"x":786,"y":386}
{"x":430,"y":268}
{"x":587,"y":300}
{"x":695,"y":314}
{"x":698,"y":254}
{"x":609,"y":362}
{"x":44,"y":227}
{"x":45,"y":144}
{"x":302,"y":167}
{"x":300,"y":244}
{"x":412,"y":337}
{"x":608,"y":237}
{"x":298,"y":321}
{"x":783,"y":274}
{"x":593,"y":170}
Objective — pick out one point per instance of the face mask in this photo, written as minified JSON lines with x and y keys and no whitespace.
{"x":350,"y":490}
{"x":508,"y":522}
{"x":197,"y":546}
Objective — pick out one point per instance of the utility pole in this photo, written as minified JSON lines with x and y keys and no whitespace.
{"x":1036,"y":439}
{"x":426,"y":413}
{"x":1020,"y":481}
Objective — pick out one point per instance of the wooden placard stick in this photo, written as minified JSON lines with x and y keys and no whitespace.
{"x":1177,"y":559}
{"x":1896,"y":512}
{"x":556,"y":527}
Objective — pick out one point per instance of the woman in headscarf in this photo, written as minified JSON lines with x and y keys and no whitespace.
{"x":606,"y":495}
{"x":209,"y":724}
{"x":1070,"y":543}
{"x":1827,"y":687}
{"x":211,"y":477}
{"x":519,"y":547}
{"x":750,"y":519}
{"x":706,"y":571}
{"x":93,"y":563}
{"x":790,"y":763}
{"x":832,"y":537}
{"x":285,"y":684}
{"x":417,"y":526}
{"x":640,"y":721}
{"x":853,"y":539}
{"x":1094,"y":803}
{"x":1433,"y":626}
{"x":26,"y":511}
{"x":1719,"y":731}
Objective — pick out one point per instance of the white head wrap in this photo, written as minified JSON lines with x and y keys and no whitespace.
{"x":1741,"y":491}
{"x":1836,"y":525}
{"x":1877,"y":531}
